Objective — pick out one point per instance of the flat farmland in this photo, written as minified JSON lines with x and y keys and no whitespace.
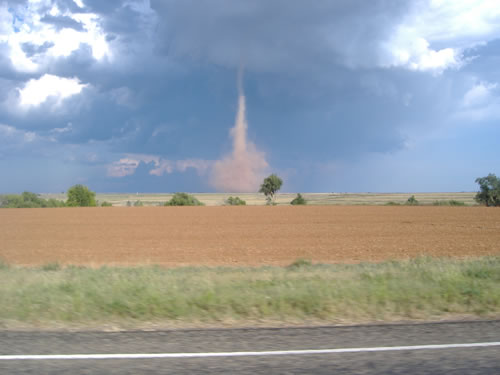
{"x":256,"y":199}
{"x":244,"y":236}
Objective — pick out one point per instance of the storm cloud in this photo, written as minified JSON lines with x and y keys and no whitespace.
{"x":141,"y":94}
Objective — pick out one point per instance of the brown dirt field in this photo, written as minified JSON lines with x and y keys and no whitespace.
{"x":179,"y":236}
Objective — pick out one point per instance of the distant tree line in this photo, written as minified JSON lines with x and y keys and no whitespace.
{"x":28,"y":200}
{"x":82,"y":196}
{"x":77,"y":196}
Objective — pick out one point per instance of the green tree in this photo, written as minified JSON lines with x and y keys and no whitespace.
{"x":298,"y":200}
{"x":489,"y":190}
{"x":80,"y":196}
{"x":269,"y":188}
{"x":235,"y":201}
{"x":183,"y":199}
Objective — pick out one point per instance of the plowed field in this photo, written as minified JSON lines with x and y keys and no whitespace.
{"x":176,"y":236}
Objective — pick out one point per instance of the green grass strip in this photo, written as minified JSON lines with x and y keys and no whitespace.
{"x":421,"y":288}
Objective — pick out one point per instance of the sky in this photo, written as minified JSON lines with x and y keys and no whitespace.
{"x":214,"y":95}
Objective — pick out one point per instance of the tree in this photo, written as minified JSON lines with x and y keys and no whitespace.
{"x":80,"y":196}
{"x":298,"y":200}
{"x":489,"y":193}
{"x":269,"y":187}
{"x":183,"y":199}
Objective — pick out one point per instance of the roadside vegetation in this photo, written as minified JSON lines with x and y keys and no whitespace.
{"x":422,"y":288}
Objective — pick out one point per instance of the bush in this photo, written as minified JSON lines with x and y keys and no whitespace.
{"x":235,"y":201}
{"x":298,"y":200}
{"x":138,"y":203}
{"x":80,"y":196}
{"x":183,"y":199}
{"x":106,"y":204}
{"x":412,"y":201}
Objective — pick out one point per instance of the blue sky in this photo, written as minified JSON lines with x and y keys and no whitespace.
{"x":340,"y":95}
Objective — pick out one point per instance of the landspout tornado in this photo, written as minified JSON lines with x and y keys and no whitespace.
{"x":242,"y":170}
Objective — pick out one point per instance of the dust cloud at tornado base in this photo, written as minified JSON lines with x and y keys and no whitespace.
{"x":244,"y":168}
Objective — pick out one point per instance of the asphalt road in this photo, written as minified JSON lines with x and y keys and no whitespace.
{"x":475,"y":360}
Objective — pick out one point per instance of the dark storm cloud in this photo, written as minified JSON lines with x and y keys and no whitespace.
{"x":277,"y":35}
{"x":62,"y":22}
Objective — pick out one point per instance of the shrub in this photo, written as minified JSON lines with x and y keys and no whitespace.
{"x":80,"y":196}
{"x":183,"y":199}
{"x":298,"y":200}
{"x":235,"y":201}
{"x":412,"y":201}
{"x":138,"y":203}
{"x":106,"y":204}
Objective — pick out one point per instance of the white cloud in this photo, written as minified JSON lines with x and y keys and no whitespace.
{"x":10,"y":132}
{"x":127,"y":166}
{"x":37,"y":91}
{"x":79,"y":3}
{"x":479,"y":95}
{"x":123,"y":167}
{"x":480,"y":103}
{"x":453,"y":25}
{"x":68,"y":128}
{"x":20,"y":25}
{"x":169,"y":166}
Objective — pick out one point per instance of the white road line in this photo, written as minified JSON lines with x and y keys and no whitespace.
{"x":243,"y":354}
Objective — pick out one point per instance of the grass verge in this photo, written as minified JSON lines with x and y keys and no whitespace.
{"x":422,"y":288}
